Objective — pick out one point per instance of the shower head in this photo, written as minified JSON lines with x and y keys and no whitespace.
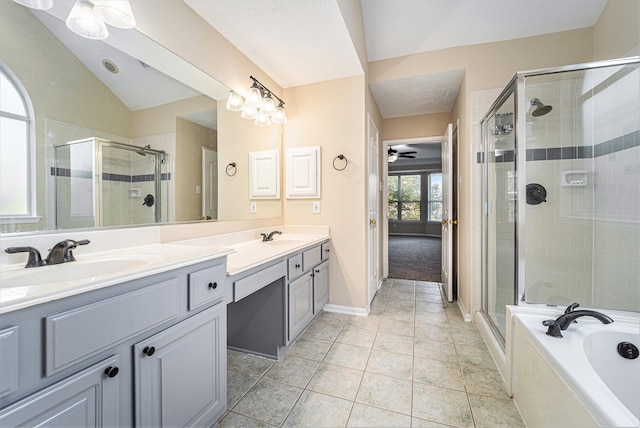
{"x":540,"y":109}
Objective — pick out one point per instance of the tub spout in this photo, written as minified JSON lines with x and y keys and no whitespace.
{"x":564,"y":321}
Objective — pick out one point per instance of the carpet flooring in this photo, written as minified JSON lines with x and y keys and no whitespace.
{"x":415,"y":257}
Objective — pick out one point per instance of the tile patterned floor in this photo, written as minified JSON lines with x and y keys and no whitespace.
{"x":413,"y":362}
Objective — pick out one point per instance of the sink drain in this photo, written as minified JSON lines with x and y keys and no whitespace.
{"x":628,"y":350}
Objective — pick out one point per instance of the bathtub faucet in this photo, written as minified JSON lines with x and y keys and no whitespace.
{"x":564,"y":321}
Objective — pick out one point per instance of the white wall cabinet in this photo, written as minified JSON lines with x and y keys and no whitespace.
{"x":264,"y":174}
{"x":181,"y":377}
{"x":303,"y":172}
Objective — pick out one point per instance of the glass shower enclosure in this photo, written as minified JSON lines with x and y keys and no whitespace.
{"x":106,"y":183}
{"x":561,"y":190}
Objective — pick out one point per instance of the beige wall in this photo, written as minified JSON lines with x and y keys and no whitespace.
{"x":617,"y":31}
{"x":190,"y":138}
{"x":331,"y":114}
{"x":424,"y":125}
{"x":162,"y":119}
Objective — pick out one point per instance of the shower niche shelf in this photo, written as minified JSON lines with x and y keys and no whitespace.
{"x":574,"y":179}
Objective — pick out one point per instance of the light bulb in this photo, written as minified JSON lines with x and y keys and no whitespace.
{"x":84,"y":22}
{"x":249,"y":112}
{"x":263,"y":119}
{"x":279,"y":116}
{"x":268,"y":106}
{"x":235,"y":102}
{"x":254,"y":97}
{"x":115,"y":12}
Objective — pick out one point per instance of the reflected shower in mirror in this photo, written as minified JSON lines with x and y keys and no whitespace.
{"x":121,"y":96}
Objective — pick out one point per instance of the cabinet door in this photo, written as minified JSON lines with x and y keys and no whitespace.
{"x":181,"y":372}
{"x":320,"y":286}
{"x":86,"y":399}
{"x":300,"y":304}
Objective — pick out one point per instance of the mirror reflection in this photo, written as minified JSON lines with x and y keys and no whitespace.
{"x":104,"y":137}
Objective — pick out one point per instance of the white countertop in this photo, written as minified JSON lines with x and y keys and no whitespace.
{"x":249,"y":254}
{"x":21,"y":288}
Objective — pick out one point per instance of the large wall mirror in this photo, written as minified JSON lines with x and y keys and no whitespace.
{"x":115,"y":132}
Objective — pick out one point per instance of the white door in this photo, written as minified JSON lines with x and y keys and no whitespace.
{"x":447,"y":212}
{"x":373,"y":189}
{"x":209,"y":184}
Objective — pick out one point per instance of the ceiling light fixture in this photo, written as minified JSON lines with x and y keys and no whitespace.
{"x":88,"y":18}
{"x":392,"y":157}
{"x":258,"y":105}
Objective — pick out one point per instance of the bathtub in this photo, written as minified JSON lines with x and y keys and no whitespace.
{"x":578,"y":380}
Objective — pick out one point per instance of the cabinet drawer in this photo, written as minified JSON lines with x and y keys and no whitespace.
{"x":245,"y":286}
{"x":74,"y":335}
{"x":325,"y":251}
{"x":294,"y":266}
{"x":206,"y":285}
{"x":311,"y":258}
{"x":8,"y":361}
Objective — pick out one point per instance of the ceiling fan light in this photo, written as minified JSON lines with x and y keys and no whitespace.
{"x":115,"y":12}
{"x":279,"y":116}
{"x":235,"y":102}
{"x":84,"y":22}
{"x":392,"y":157}
{"x":36,"y":4}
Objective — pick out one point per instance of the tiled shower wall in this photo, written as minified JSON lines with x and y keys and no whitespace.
{"x":617,"y":194}
{"x":581,"y":243}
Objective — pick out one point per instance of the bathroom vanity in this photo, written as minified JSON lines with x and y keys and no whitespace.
{"x":150,"y":351}
{"x":147,"y":346}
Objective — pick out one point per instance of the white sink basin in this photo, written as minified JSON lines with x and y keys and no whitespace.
{"x":285,"y":242}
{"x":70,"y":271}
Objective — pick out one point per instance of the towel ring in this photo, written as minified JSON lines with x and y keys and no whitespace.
{"x":342,"y":158}
{"x":233,"y":168}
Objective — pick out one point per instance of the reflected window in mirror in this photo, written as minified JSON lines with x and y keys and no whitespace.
{"x":16,"y":161}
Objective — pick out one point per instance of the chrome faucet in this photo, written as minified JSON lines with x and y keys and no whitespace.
{"x":269,"y":237}
{"x":570,"y":315}
{"x":62,"y":252}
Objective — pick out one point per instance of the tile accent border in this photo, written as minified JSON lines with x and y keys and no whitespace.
{"x":77,"y":173}
{"x":615,"y":145}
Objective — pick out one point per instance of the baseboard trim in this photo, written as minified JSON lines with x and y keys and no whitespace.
{"x":467,"y":316}
{"x":348,"y":310}
{"x":494,"y":347}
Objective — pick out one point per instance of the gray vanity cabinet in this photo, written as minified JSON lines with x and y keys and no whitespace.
{"x":300,"y":304}
{"x":86,"y":399}
{"x":180,"y":373}
{"x":320,"y":286}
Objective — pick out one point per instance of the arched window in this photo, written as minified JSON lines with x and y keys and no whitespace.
{"x":17,"y":172}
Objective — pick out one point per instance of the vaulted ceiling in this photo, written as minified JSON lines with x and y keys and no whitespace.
{"x":300,"y":42}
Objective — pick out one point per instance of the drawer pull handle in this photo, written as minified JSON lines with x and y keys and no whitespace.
{"x":297,"y":265}
{"x":111,"y":371}
{"x":213,"y":285}
{"x":149,"y":351}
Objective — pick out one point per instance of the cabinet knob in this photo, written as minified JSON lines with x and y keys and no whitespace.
{"x":297,"y":265}
{"x":149,"y":351}
{"x":317,"y":270}
{"x":111,"y":371}
{"x":326,"y":250}
{"x":213,"y":285}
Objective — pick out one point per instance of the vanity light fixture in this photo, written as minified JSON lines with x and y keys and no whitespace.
{"x":258,"y":105}
{"x":88,"y":18}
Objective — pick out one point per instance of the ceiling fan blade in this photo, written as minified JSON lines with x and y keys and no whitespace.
{"x":409,"y":153}
{"x":404,"y":155}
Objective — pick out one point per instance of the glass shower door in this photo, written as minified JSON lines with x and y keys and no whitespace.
{"x":129,"y":186}
{"x":499,"y":219}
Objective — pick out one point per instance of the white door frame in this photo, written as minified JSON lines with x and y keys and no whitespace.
{"x":385,"y":192}
{"x":374,"y":279}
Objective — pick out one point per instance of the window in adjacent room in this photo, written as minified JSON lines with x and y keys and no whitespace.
{"x":434,"y":202}
{"x":404,"y":197}
{"x":16,"y":151}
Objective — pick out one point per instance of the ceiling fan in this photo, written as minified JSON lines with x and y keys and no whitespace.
{"x":394,"y":154}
